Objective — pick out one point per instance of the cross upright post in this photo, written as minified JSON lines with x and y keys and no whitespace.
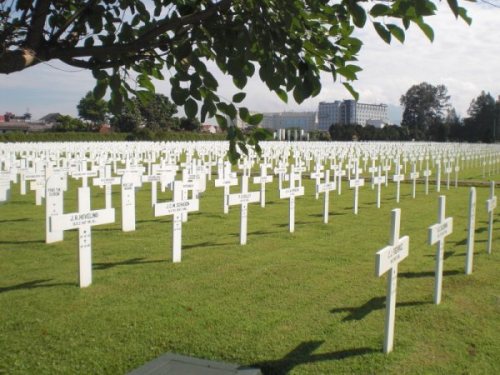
{"x":437,"y":234}
{"x":491,"y":204}
{"x":388,"y":259}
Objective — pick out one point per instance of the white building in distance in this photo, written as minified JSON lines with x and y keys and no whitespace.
{"x":348,"y":112}
{"x":288,"y":120}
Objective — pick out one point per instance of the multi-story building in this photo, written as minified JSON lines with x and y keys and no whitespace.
{"x":350,"y":112}
{"x":288,"y":120}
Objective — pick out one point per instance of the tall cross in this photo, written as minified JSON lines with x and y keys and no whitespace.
{"x":379,"y":180}
{"x":263,"y":179}
{"x":243,"y":199}
{"x":413,"y":176}
{"x":388,"y":259}
{"x":326,"y":187}
{"x":291,"y":193}
{"x":356,"y":183}
{"x":176,"y":208}
{"x":427,"y":174}
{"x":491,"y":204}
{"x":226,"y":179}
{"x":437,"y":234}
{"x":316,"y":175}
{"x":471,"y":228}
{"x":83,"y":220}
{"x":397,"y":178}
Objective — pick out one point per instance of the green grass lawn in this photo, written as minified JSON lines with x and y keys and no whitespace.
{"x":301,"y":303}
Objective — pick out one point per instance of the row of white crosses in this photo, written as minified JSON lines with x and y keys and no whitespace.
{"x":390,"y":256}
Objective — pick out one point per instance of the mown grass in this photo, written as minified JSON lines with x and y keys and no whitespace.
{"x":300,"y":303}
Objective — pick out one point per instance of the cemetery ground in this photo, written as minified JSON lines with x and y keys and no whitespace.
{"x":306,"y":302}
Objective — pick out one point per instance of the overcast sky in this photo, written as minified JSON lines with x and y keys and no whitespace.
{"x":466,"y":59}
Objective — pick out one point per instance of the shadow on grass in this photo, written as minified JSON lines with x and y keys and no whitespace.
{"x":206,"y":244}
{"x":32,"y":285}
{"x":415,"y":275}
{"x":16,"y":220}
{"x":19,"y":242}
{"x":446,"y":255}
{"x":302,"y":354}
{"x":297,"y":223}
{"x":128,"y":262}
{"x":330,"y":214}
{"x":376,"y":303}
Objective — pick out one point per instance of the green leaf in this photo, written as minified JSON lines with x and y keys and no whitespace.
{"x":179,"y":95}
{"x":255,"y":119}
{"x":100,"y":88}
{"x":238,"y":98}
{"x":351,"y":90}
{"x":349,"y":71}
{"x":244,"y":114}
{"x":243,"y":147}
{"x":358,"y":13}
{"x":454,"y":7}
{"x":221,"y":121}
{"x":191,"y":108}
{"x":397,"y":32}
{"x":380,"y":10}
{"x":282,"y":95}
{"x":382,"y":32}
{"x":427,"y":30}
{"x":462,"y":12}
{"x":145,"y":82}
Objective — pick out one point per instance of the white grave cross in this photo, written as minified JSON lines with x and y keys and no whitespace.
{"x":292,"y":192}
{"x":388,"y":259}
{"x":491,"y":204}
{"x":176,"y":208}
{"x":83,"y":220}
{"x":326,"y":187}
{"x":243,"y":199}
{"x":437,"y":234}
{"x":356,"y":183}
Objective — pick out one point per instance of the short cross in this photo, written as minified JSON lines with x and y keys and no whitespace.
{"x":356,"y":183}
{"x":326,"y":187}
{"x":263,"y":179}
{"x":291,"y":193}
{"x":379,"y":180}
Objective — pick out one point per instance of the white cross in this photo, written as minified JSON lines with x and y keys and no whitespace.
{"x":427,"y":174}
{"x":4,"y":186}
{"x":397,"y":178}
{"x":243,"y":199}
{"x":263,"y":179}
{"x":356,"y":183}
{"x":379,"y":180}
{"x":83,"y":220}
{"x":438,"y":175}
{"x":326,"y":187}
{"x":226,"y":179}
{"x":388,"y":259}
{"x":437,"y":234}
{"x":372,"y":170}
{"x":448,"y":171}
{"x":457,"y":169}
{"x":491,"y":204}
{"x":176,"y":208}
{"x":107,"y":181}
{"x":54,"y":205}
{"x":291,"y":193}
{"x":316,"y":175}
{"x":471,"y":227}
{"x":413,"y":176}
{"x":129,"y":181}
{"x":84,"y":174}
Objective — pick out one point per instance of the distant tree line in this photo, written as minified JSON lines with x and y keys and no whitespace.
{"x":144,"y":117}
{"x":429,"y":116}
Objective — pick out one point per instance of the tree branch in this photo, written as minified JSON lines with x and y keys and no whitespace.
{"x":35,"y":31}
{"x":70,"y":20}
{"x":15,"y":61}
{"x":145,"y":41}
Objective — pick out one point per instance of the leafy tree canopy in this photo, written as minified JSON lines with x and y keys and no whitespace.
{"x":126,"y":43}
{"x":424,"y":106}
{"x":93,"y":109}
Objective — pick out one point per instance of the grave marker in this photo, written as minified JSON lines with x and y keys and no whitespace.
{"x":292,"y":192}
{"x":176,"y":208}
{"x":437,"y":234}
{"x":356,"y":183}
{"x":388,"y":259}
{"x":243,"y":199}
{"x":471,"y":227}
{"x":83,"y":220}
{"x":326,"y":187}
{"x":263,"y":179}
{"x":54,"y":206}
{"x":491,"y":204}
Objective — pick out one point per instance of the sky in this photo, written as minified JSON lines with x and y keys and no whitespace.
{"x":466,"y":59}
